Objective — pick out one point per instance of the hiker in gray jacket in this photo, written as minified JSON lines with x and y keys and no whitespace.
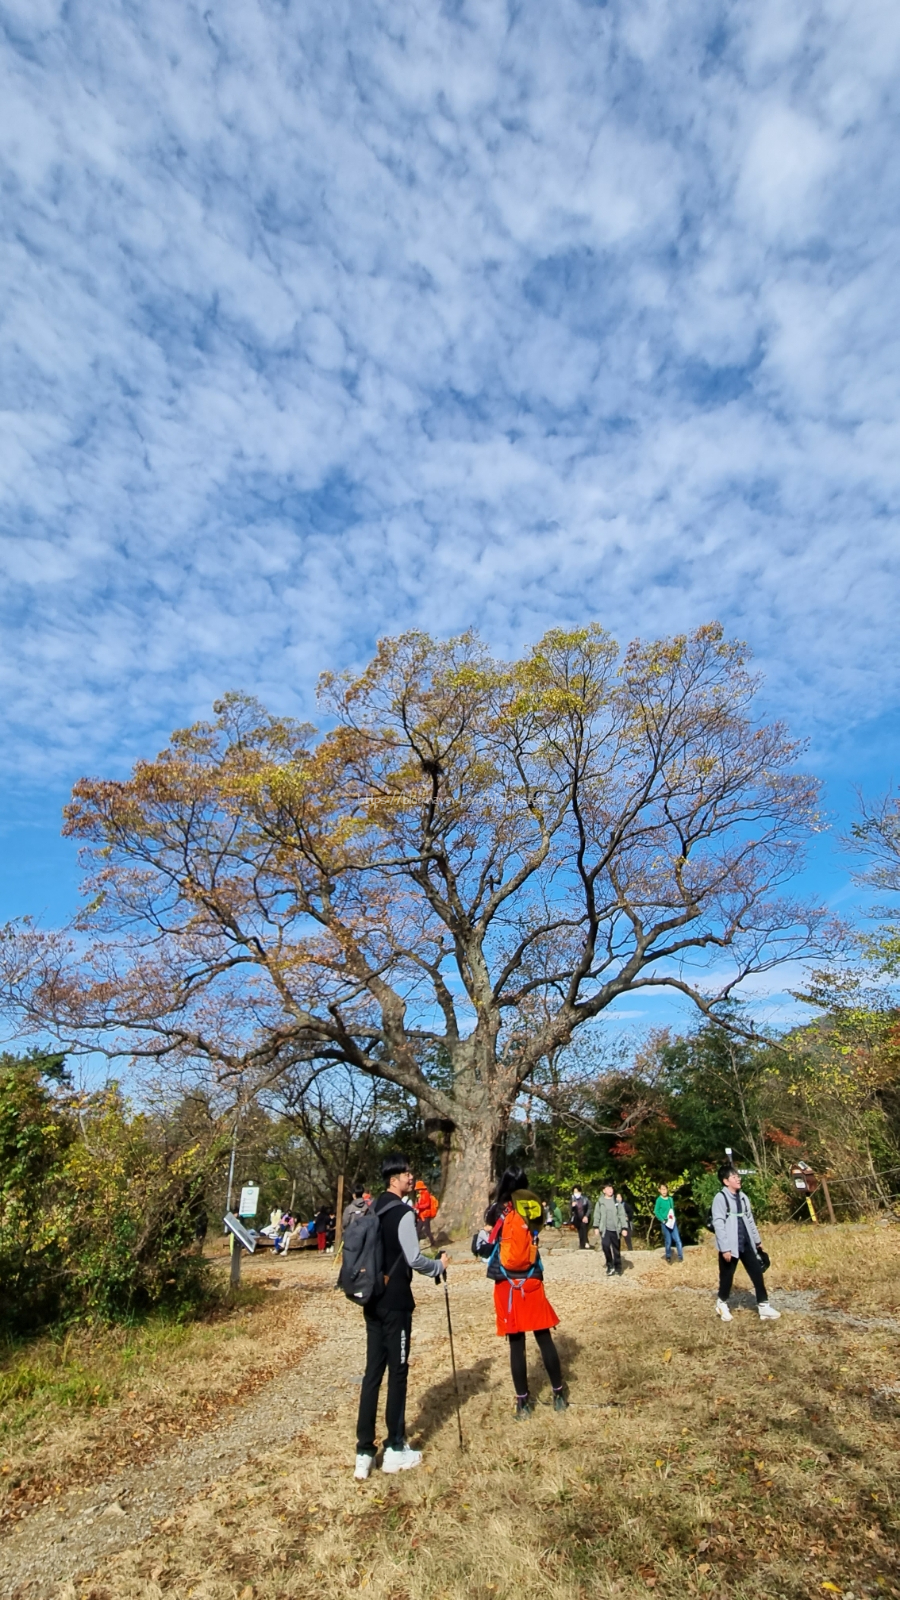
{"x":737,"y":1237}
{"x":610,"y":1219}
{"x":358,"y":1207}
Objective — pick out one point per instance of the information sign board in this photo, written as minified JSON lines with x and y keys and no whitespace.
{"x":235,"y":1226}
{"x":249,"y":1200}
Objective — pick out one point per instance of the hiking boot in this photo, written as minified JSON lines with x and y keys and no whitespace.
{"x":524,"y":1408}
{"x":560,"y":1403}
{"x":363,"y":1466}
{"x":768,"y":1313}
{"x":400,"y":1460}
{"x":723,"y":1311}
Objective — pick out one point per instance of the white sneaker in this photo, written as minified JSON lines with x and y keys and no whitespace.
{"x":723,"y":1311}
{"x":768,"y":1313}
{"x":401,"y":1460}
{"x":363,"y":1467}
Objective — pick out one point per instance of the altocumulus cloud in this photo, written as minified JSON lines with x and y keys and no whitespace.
{"x":319,"y":322}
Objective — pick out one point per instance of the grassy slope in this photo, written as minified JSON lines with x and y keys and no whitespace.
{"x":74,"y":1408}
{"x":748,"y":1461}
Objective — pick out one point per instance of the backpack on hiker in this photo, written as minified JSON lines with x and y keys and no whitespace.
{"x":515,"y":1240}
{"x":362,"y":1276}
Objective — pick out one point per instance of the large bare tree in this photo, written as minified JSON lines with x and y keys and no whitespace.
{"x":476,"y":860}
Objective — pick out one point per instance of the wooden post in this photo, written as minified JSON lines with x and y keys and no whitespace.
{"x":827,"y":1194}
{"x":339,"y":1215}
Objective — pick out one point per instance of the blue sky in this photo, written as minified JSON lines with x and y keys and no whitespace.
{"x":321,"y":322}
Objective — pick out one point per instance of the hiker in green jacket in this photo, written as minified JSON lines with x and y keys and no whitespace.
{"x":664,"y":1213}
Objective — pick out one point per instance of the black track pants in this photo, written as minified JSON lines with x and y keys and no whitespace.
{"x":750,"y":1261}
{"x":387,"y":1345}
{"x":519,"y":1366}
{"x":611,"y":1249}
{"x":583,"y":1233}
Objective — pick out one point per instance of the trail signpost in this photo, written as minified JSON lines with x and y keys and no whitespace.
{"x":241,"y":1239}
{"x":249,"y":1200}
{"x":339,"y":1216}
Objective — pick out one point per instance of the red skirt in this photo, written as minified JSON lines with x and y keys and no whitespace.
{"x":523,"y":1307}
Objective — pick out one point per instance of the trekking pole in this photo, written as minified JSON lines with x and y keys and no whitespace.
{"x":453,"y":1360}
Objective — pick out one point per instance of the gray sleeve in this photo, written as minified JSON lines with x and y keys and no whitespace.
{"x":720,"y":1220}
{"x":406,"y":1236}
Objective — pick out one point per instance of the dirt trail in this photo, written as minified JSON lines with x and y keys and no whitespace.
{"x":71,"y":1537}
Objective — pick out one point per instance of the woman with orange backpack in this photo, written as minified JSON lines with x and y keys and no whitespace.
{"x":520,"y":1301}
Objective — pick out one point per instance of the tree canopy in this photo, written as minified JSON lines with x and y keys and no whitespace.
{"x":473,"y":861}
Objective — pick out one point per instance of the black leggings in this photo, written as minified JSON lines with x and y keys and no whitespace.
{"x":519,"y":1366}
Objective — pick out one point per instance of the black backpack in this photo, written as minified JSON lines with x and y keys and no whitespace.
{"x":709,"y":1224}
{"x":362,"y":1276}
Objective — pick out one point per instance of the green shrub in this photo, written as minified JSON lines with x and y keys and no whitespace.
{"x":97,"y":1211}
{"x":766,"y":1194}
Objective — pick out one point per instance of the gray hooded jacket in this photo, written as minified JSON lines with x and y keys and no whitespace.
{"x":725,"y":1219}
{"x":610,"y":1215}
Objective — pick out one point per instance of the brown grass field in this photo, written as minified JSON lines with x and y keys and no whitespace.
{"x":696,"y":1459}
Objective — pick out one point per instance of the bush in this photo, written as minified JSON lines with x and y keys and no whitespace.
{"x":766,"y":1195}
{"x":97,"y":1212}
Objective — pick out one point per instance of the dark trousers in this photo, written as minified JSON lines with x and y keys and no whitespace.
{"x":611,"y":1250}
{"x":582,"y":1233}
{"x":751,"y":1264}
{"x":387,"y":1345}
{"x":519,"y":1366}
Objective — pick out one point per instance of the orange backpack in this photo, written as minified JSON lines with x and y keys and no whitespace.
{"x":518,"y":1246}
{"x":514,"y":1237}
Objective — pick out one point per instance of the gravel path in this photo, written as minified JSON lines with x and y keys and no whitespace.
{"x":71,"y":1537}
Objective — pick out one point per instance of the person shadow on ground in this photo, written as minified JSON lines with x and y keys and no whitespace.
{"x":742,"y":1300}
{"x":437,"y":1405}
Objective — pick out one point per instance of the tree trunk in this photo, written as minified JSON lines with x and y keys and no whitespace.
{"x":467,"y":1172}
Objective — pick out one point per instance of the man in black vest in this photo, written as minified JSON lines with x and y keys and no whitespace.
{"x":389,"y":1324}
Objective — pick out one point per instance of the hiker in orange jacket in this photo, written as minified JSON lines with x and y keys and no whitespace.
{"x":520,"y":1300}
{"x":426,"y":1208}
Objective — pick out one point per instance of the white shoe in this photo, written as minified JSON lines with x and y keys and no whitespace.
{"x":363,"y":1467}
{"x":768,"y":1313}
{"x":723,"y":1311}
{"x":401,"y":1460}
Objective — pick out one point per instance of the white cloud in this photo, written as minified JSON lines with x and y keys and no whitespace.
{"x":321,"y":323}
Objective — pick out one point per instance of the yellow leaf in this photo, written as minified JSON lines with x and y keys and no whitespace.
{"x":660,"y":1463}
{"x":667,"y":1355}
{"x":834,"y":1587}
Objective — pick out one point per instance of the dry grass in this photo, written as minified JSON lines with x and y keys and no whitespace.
{"x":77,"y":1407}
{"x":749,"y":1461}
